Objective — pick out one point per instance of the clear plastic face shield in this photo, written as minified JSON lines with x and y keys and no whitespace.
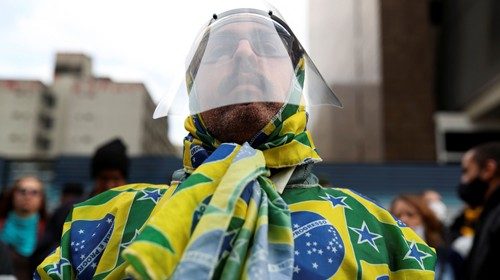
{"x":245,"y":56}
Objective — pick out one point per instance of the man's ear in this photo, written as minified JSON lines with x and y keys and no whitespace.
{"x":490,"y":169}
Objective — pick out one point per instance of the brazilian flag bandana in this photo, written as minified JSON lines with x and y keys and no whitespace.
{"x":230,"y":219}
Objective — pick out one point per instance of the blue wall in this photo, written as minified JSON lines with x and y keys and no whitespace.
{"x":151,"y":169}
{"x":379,"y":181}
{"x":384,"y":181}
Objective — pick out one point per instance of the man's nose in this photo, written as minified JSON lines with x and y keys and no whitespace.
{"x":245,"y":51}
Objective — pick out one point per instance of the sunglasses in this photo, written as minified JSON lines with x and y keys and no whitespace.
{"x":221,"y":47}
{"x":28,"y":192}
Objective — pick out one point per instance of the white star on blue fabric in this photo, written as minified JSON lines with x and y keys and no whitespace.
{"x":296,"y":269}
{"x":416,"y":254}
{"x":366,"y":236}
{"x":154,"y":195}
{"x":336,"y":200}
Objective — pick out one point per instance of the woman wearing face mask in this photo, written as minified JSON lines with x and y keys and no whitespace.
{"x":415,"y":213}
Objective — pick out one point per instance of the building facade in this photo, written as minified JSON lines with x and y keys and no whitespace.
{"x":27,"y":110}
{"x":468,"y":87}
{"x":77,"y":113}
{"x":420,"y":80}
{"x":345,"y":43}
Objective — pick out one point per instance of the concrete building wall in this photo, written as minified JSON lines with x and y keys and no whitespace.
{"x":77,"y":113}
{"x":344,"y":40}
{"x":408,"y":47}
{"x":378,"y":55}
{"x":22,"y":129}
{"x":97,"y":111}
{"x":345,"y":45}
{"x":352,"y":134}
{"x":77,"y":65}
{"x":68,"y":69}
{"x":155,"y":140}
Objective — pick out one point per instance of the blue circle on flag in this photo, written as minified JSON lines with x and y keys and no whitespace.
{"x":319,"y":249}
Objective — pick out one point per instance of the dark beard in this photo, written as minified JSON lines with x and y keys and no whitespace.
{"x":239,"y":123}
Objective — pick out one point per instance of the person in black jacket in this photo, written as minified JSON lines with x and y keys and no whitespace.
{"x":5,"y":262}
{"x":110,"y":166}
{"x":480,"y":184}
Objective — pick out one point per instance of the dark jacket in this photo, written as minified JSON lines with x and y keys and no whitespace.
{"x":21,"y":265}
{"x":50,"y":238}
{"x":5,"y":261}
{"x":482,"y":261}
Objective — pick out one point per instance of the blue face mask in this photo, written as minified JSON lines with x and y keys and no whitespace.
{"x":473,"y":193}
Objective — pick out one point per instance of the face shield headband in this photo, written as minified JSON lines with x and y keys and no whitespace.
{"x":215,"y":69}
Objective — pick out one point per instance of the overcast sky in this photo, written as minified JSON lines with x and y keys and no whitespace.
{"x":143,"y":41}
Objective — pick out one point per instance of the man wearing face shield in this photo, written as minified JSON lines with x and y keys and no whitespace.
{"x":246,"y":203}
{"x":480,"y":187}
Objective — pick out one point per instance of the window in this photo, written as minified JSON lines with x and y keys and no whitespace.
{"x":463,"y":141}
{"x":48,"y":100}
{"x":46,"y":121}
{"x":42,"y":143}
{"x":68,"y":69}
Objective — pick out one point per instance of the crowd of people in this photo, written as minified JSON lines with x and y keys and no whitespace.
{"x":466,"y":247}
{"x":27,"y":234}
{"x":464,"y":244}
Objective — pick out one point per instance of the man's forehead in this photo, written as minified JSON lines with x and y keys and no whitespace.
{"x":245,"y":26}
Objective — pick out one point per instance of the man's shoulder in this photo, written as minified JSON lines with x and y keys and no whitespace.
{"x":337,"y":194}
{"x":330,"y":200}
{"x":136,"y":197}
{"x":140,"y":187}
{"x":354,"y":196}
{"x":492,"y":221}
{"x":110,"y":220}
